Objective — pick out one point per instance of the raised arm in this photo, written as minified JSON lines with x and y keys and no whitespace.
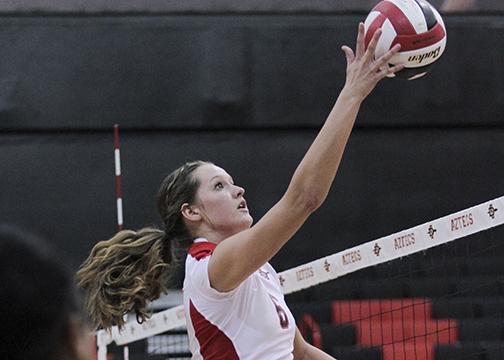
{"x":240,"y":255}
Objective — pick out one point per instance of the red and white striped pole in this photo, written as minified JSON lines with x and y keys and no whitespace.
{"x":117,"y":157}
{"x":117,"y":161}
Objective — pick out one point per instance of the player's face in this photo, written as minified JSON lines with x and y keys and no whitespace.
{"x":221,"y":202}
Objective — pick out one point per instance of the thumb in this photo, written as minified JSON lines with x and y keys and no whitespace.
{"x":349,"y":54}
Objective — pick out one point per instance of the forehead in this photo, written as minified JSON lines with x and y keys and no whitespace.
{"x":207,"y":172}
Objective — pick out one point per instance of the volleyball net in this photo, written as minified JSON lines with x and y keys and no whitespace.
{"x":437,"y":302}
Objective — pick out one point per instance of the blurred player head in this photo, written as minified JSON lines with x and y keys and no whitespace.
{"x":40,"y":317}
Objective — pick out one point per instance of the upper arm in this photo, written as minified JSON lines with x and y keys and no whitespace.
{"x":238,"y":256}
{"x":306,"y":351}
{"x":300,"y":346}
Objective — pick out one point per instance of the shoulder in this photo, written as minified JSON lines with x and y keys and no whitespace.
{"x":270,"y":268}
{"x":197,"y":282}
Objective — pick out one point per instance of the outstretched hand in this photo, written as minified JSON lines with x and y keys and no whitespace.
{"x":363,"y":70}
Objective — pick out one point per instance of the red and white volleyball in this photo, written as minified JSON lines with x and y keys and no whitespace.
{"x":416,"y":25}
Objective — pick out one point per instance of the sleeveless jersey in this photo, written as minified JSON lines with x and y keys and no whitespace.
{"x":251,"y":322}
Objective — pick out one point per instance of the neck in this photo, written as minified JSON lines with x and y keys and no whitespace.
{"x":213,"y":236}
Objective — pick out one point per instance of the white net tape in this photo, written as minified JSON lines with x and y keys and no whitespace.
{"x":430,"y":234}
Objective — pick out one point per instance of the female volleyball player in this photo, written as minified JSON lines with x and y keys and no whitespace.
{"x":234,"y":304}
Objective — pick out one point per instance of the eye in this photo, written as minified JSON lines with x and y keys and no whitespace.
{"x":219,"y":186}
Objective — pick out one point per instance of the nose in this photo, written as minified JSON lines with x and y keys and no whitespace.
{"x":239,"y":191}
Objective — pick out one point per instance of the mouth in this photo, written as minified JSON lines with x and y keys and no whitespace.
{"x":242,"y":205}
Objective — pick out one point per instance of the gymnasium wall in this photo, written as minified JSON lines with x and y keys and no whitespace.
{"x":248,"y":92}
{"x":223,"y":6}
{"x":187,"y":6}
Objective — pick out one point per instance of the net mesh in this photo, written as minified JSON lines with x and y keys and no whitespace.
{"x":444,"y":302}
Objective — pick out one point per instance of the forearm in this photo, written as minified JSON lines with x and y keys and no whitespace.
{"x":317,"y":170}
{"x":315,"y":173}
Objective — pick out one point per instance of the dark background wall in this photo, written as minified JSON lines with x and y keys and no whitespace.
{"x":224,"y":6}
{"x":248,"y":92}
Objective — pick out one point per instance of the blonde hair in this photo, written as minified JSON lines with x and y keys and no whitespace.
{"x":124,"y":273}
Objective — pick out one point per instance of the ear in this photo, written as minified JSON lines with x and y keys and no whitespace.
{"x":190,"y":212}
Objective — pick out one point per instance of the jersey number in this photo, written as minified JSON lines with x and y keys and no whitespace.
{"x":282,"y":315}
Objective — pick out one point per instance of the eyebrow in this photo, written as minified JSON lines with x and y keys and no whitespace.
{"x":216,"y":176}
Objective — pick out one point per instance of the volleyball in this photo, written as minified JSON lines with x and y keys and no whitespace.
{"x":414,"y":24}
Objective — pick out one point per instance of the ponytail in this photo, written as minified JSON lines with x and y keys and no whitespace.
{"x":123,"y":273}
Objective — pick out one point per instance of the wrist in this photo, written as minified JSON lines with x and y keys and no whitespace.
{"x":350,"y":96}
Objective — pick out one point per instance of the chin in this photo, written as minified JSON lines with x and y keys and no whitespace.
{"x":250,"y":222}
{"x":246,"y":224}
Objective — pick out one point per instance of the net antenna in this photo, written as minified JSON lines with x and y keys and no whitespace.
{"x":120,"y":221}
{"x":440,"y":231}
{"x":117,"y":163}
